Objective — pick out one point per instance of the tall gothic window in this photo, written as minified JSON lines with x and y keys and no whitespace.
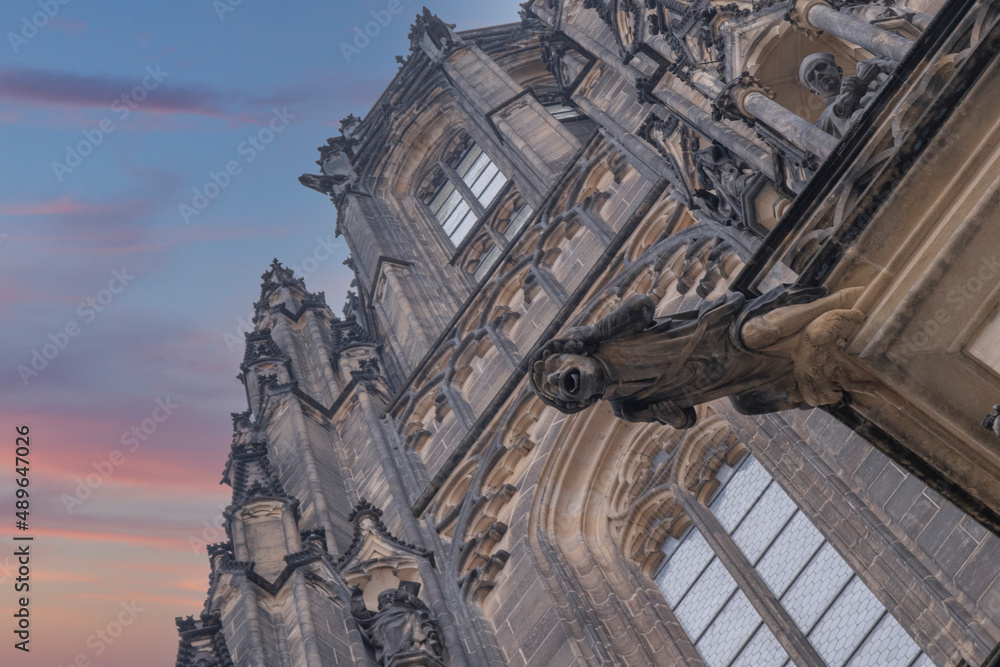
{"x":828,"y":602}
{"x":517,"y":222}
{"x":470,"y":186}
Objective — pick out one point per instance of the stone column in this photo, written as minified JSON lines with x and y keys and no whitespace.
{"x":756,"y":156}
{"x":798,"y":130}
{"x":745,"y":97}
{"x":248,"y":598}
{"x":332,"y":388}
{"x":293,"y":539}
{"x":411,"y":529}
{"x":814,"y":16}
{"x":307,"y":630}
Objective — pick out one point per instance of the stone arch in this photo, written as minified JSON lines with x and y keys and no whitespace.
{"x":701,"y":452}
{"x":577,"y":547}
{"x":446,"y":508}
{"x":421,"y":418}
{"x":680,"y":272}
{"x":430,"y":129}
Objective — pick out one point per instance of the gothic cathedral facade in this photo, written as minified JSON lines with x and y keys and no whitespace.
{"x":674,"y":340}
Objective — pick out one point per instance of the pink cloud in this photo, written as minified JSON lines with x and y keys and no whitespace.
{"x":70,"y":25}
{"x":45,"y":87}
{"x":61,"y":206}
{"x":158,"y":542}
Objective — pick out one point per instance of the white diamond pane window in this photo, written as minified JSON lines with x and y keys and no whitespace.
{"x":830,"y":604}
{"x":729,"y":632}
{"x":469,"y":189}
{"x":763,"y":650}
{"x":846,"y":623}
{"x":709,"y":593}
{"x":563,"y":112}
{"x":486,"y":262}
{"x":515,"y":225}
{"x":683,"y":567}
{"x":518,"y":221}
{"x":887,"y":645}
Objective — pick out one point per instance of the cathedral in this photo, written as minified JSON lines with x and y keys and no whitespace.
{"x":674,"y":340}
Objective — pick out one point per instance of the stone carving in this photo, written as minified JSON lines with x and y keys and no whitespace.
{"x":441,"y":35}
{"x":402,"y":631}
{"x":717,"y":171}
{"x":326,"y":185}
{"x":991,"y":422}
{"x":774,"y":352}
{"x":845,"y":98}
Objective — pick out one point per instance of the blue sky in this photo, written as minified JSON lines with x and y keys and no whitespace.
{"x":112,"y":116}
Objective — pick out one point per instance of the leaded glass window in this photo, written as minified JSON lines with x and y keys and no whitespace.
{"x":517,"y":222}
{"x":830,"y":604}
{"x":469,"y":187}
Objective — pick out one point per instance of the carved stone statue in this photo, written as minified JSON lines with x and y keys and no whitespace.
{"x":991,"y":422}
{"x":337,"y":172}
{"x":442,"y":35}
{"x":326,"y":185}
{"x":402,"y":631}
{"x":778,"y":351}
{"x":845,"y":98}
{"x":718,"y":171}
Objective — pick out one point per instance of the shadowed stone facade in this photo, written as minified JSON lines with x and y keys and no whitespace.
{"x":413,"y":485}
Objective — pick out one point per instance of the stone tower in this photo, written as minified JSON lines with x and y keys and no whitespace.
{"x":673,"y":342}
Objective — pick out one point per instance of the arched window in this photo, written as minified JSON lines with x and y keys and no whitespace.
{"x":470,"y":184}
{"x":829,"y":604}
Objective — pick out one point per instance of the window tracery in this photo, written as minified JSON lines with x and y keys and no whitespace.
{"x":828,"y":602}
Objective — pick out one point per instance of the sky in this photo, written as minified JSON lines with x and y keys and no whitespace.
{"x":150,"y":157}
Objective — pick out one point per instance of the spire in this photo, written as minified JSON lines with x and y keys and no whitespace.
{"x":280,"y":288}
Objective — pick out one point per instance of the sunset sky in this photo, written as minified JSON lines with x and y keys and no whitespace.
{"x":129,"y":271}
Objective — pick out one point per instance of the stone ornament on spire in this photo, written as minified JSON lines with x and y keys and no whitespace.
{"x":434,"y":36}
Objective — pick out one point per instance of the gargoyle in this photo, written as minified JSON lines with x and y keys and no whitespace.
{"x":778,"y":351}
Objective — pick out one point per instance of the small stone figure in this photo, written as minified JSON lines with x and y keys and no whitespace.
{"x":845,"y":98}
{"x":991,"y":422}
{"x":441,"y":35}
{"x":778,"y":351}
{"x":402,"y":631}
{"x":719,"y":172}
